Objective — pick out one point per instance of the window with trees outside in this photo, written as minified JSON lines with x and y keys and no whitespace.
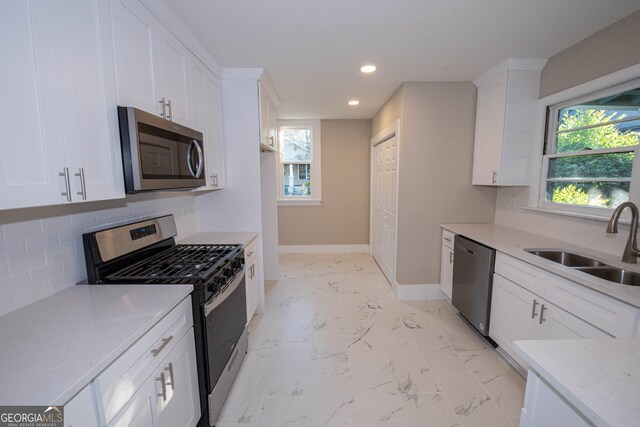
{"x":590,"y":152}
{"x":299,"y":162}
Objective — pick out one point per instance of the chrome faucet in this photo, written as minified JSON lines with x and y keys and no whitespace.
{"x":631,"y":251}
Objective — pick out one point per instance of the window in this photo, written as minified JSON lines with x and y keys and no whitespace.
{"x":590,"y":151}
{"x":299,"y":162}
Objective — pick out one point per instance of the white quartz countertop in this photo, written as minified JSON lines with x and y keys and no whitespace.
{"x":601,"y":378}
{"x":220,"y":238}
{"x":513,"y":242}
{"x":51,"y":349}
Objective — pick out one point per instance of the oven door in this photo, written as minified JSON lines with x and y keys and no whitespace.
{"x":225,"y":320}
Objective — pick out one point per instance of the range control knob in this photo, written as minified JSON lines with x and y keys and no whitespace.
{"x":216,"y":285}
{"x":238,"y":264}
{"x":229,"y":272}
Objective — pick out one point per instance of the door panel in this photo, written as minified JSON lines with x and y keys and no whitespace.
{"x":384,"y":205}
{"x":175,"y":77}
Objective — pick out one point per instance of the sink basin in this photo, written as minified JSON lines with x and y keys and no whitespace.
{"x":613,"y":274}
{"x":565,"y":258}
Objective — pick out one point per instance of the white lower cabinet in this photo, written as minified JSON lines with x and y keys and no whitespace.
{"x":446,"y":263}
{"x":80,"y":411}
{"x":545,"y":407}
{"x":251,"y":278}
{"x":518,"y":314}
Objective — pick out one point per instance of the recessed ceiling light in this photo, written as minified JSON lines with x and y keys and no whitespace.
{"x":368,"y":68}
{"x":354,"y":102}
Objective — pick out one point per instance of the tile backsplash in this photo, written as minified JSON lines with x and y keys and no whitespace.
{"x":41,"y":249}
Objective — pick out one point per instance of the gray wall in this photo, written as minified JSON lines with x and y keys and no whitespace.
{"x":343,"y":216}
{"x":436,"y":157}
{"x":611,"y":49}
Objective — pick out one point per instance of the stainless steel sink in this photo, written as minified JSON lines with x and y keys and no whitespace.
{"x":566,"y":258}
{"x":613,"y":274}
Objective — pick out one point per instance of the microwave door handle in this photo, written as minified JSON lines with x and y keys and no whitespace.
{"x":189,"y":156}
{"x":200,"y":159}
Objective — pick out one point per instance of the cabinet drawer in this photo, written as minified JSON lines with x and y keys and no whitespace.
{"x":447,"y":238}
{"x":117,"y":384}
{"x":250,"y":249}
{"x":520,"y":272}
{"x":608,"y":314}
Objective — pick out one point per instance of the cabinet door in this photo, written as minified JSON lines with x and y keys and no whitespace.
{"x":80,"y":410}
{"x":137,"y":60}
{"x":264,"y":116}
{"x":88,"y":89}
{"x":206,"y":103}
{"x":181,"y":407}
{"x":514,"y":314}
{"x":490,"y":116}
{"x":561,"y":324}
{"x":175,"y":77}
{"x":251,"y":283}
{"x":32,"y":134}
{"x":446,"y":271}
{"x":273,"y":124}
{"x":140,"y":409}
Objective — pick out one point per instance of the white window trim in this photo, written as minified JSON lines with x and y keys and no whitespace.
{"x":316,"y":165}
{"x":616,"y":81}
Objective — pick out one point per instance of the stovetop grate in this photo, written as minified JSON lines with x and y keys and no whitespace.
{"x":178,"y":263}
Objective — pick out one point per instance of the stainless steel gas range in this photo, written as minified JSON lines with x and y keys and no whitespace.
{"x":145,"y":252}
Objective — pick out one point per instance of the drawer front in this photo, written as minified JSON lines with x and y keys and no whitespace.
{"x":447,"y":238}
{"x":117,"y":384}
{"x":608,"y":314}
{"x":520,"y":272}
{"x":250,"y":249}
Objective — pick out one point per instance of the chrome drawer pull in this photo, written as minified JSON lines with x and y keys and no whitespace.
{"x":450,"y":257}
{"x":533,"y":309}
{"x":165,"y":341}
{"x":542,"y":309}
{"x":448,"y":239}
{"x":170,"y":369}
{"x":83,"y":186}
{"x":67,"y":184}
{"x":164,"y":387}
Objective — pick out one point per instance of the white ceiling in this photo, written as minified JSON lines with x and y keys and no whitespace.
{"x":312,"y":49}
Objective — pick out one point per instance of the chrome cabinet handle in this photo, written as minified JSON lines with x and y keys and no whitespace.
{"x":164,"y":387}
{"x":271,"y":141}
{"x":251,"y":271}
{"x":448,"y":239}
{"x":170,"y":115}
{"x":83,"y":187}
{"x":215,"y":180}
{"x":164,"y":107}
{"x":249,"y":254}
{"x":542,"y":309}
{"x":494,"y":178}
{"x":533,"y":309}
{"x":450,"y":257}
{"x":170,"y":369}
{"x":67,"y":184}
{"x":165,"y":341}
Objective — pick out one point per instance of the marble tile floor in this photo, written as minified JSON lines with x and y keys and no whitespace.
{"x":334,"y":348}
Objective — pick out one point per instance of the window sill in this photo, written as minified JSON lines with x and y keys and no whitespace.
{"x":299,"y":202}
{"x":593,"y":217}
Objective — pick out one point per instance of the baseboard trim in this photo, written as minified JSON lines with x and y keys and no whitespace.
{"x":417,"y":292}
{"x":323,"y":249}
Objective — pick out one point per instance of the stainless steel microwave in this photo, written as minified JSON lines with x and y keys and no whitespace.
{"x":158,"y":154}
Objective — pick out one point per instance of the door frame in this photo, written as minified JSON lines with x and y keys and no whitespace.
{"x":387,"y":133}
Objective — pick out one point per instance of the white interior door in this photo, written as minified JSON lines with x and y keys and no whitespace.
{"x":385,"y":159}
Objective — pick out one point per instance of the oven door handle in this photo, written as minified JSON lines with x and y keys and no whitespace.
{"x":209,"y":307}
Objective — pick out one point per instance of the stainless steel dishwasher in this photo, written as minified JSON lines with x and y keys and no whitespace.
{"x":473,"y":281}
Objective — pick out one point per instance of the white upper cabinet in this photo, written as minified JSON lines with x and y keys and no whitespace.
{"x":268,"y":120}
{"x":153,"y":65}
{"x":505,"y":119}
{"x":61,"y":142}
{"x":207,"y":118}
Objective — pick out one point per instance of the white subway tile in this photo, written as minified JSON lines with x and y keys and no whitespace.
{"x":4,"y":268}
{"x":71,"y":265}
{"x":59,"y":252}
{"x":11,"y":247}
{"x":83,"y":218}
{"x":124,"y":212}
{"x":12,"y":283}
{"x":30,"y":294}
{"x":71,"y":235}
{"x":21,"y":263}
{"x":17,"y":230}
{"x":55,"y":223}
{"x":6,"y":303}
{"x":41,"y":241}
{"x":95,"y":227}
{"x":63,"y":282}
{"x":105,"y":215}
{"x":45,"y":272}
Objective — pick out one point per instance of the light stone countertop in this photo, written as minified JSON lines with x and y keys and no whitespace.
{"x":53,"y":348}
{"x":513,"y":242}
{"x":601,"y":378}
{"x":220,"y":238}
